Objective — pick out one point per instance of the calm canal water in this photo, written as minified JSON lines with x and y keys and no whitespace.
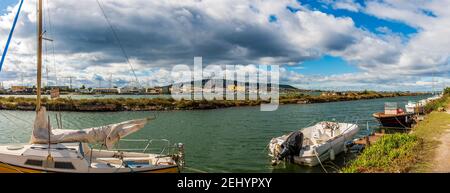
{"x":221,"y":140}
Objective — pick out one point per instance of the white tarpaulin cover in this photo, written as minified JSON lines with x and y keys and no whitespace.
{"x":108,"y":135}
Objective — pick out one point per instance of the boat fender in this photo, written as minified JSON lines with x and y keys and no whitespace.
{"x":332,"y":155}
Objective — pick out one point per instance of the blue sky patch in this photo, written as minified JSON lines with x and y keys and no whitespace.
{"x":5,"y":3}
{"x":361,"y":20}
{"x":327,"y":65}
{"x":273,"y":18}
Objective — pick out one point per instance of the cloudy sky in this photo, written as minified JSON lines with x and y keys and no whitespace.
{"x":323,"y":44}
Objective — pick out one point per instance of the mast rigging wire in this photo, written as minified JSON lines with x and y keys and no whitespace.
{"x":10,"y":35}
{"x":118,"y":41}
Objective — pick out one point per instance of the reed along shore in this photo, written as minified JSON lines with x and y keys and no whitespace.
{"x":166,"y":104}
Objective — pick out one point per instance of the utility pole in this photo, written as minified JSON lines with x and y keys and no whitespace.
{"x":70,"y":81}
{"x":70,"y":78}
{"x":46,"y":75}
{"x":110,"y":80}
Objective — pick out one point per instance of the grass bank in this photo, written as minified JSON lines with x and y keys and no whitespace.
{"x":430,"y":130}
{"x":160,"y":104}
{"x":391,"y":153}
{"x":411,"y":152}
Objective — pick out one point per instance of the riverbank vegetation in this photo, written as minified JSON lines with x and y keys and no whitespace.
{"x":439,"y":104}
{"x":159,"y":104}
{"x":405,"y":152}
{"x":391,"y":153}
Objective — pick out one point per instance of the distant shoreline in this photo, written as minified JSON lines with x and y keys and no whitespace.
{"x":168,"y":104}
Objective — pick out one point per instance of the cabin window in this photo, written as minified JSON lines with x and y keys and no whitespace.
{"x":32,"y":162}
{"x":64,"y":165}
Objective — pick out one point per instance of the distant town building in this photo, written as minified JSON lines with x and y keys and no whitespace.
{"x":60,"y":88}
{"x":54,"y":93}
{"x":235,"y":88}
{"x":333,"y":94}
{"x":106,"y":90}
{"x":155,"y":90}
{"x":19,"y":89}
{"x":180,"y":88}
{"x":130,"y":90}
{"x":2,"y":89}
{"x":83,"y":91}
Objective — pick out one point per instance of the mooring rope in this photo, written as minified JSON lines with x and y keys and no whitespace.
{"x":320,"y":162}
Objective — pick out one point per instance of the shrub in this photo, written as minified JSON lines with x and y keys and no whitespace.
{"x":436,"y":104}
{"x":391,"y":153}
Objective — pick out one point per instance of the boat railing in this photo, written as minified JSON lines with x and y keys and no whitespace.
{"x":161,"y":147}
{"x":165,"y":148}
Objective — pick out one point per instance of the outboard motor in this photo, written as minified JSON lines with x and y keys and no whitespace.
{"x":292,"y":146}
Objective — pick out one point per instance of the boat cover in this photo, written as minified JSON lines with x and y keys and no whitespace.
{"x":108,"y":135}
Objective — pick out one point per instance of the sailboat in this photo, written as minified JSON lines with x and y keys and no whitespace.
{"x":70,"y":151}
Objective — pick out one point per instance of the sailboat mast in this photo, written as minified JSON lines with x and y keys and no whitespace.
{"x":39,"y":55}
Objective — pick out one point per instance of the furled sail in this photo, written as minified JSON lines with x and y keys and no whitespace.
{"x":107,"y":135}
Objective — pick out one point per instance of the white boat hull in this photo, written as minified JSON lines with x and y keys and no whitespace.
{"x":71,"y":158}
{"x":311,"y":152}
{"x":338,"y":146}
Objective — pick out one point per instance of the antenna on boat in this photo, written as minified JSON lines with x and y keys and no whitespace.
{"x":110,"y":80}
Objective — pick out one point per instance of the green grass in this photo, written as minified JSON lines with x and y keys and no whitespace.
{"x":437,"y":104}
{"x":430,"y":129}
{"x":433,"y":125}
{"x":391,"y":153}
{"x":405,"y":152}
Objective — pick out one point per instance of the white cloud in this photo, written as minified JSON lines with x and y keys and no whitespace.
{"x":349,"y":5}
{"x":160,"y":34}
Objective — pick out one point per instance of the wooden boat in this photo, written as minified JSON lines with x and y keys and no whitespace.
{"x":312,"y":145}
{"x":394,"y":116}
{"x":401,"y":120}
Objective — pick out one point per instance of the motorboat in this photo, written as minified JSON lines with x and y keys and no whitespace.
{"x":415,"y":107}
{"x":312,"y":145}
{"x":394,"y":117}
